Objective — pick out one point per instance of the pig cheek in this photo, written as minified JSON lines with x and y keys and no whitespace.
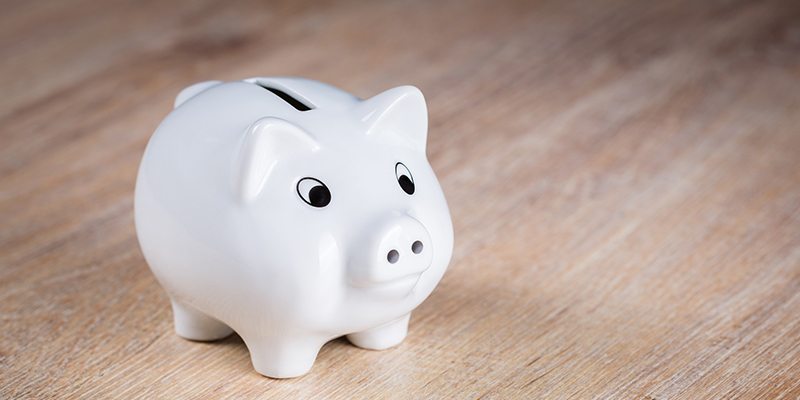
{"x":435,"y":217}
{"x":331,"y":268}
{"x":325,"y":283}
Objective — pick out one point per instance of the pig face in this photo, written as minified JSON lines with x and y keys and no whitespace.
{"x":350,"y":213}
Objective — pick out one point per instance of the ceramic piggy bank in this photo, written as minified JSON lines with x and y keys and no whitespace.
{"x":293,"y":213}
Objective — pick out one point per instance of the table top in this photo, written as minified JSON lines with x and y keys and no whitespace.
{"x":623,"y":176}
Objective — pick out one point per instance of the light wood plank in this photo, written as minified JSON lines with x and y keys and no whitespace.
{"x":624,"y":179}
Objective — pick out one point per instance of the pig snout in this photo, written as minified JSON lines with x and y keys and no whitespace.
{"x":398,"y":249}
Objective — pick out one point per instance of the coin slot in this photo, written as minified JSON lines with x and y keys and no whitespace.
{"x":289,"y":99}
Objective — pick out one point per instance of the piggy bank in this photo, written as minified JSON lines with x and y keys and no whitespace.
{"x":292,"y":213}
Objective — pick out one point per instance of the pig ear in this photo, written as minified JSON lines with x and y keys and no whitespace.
{"x":193,"y":90}
{"x":267,"y":141}
{"x":400,"y":111}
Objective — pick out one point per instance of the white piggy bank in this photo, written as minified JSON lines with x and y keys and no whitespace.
{"x":293,"y":213}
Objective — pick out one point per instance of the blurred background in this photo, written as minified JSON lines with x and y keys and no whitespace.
{"x":624,"y":180}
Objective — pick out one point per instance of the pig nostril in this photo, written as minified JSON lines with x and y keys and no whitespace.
{"x":416,"y":247}
{"x":393,"y":256}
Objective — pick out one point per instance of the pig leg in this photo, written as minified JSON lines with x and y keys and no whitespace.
{"x":382,"y":337}
{"x":195,"y":325}
{"x":285,"y":357}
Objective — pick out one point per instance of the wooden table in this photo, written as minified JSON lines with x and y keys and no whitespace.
{"x":624,"y":179}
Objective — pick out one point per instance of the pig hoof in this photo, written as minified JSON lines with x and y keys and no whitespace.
{"x":382,"y":337}
{"x":279,"y":359}
{"x":194,"y":325}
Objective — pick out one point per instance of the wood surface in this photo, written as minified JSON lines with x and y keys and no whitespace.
{"x":624,"y":180}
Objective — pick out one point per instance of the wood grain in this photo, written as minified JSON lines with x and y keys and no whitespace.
{"x":624,"y":179}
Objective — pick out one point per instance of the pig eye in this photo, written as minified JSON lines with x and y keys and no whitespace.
{"x":313,"y":192}
{"x":404,"y":178}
